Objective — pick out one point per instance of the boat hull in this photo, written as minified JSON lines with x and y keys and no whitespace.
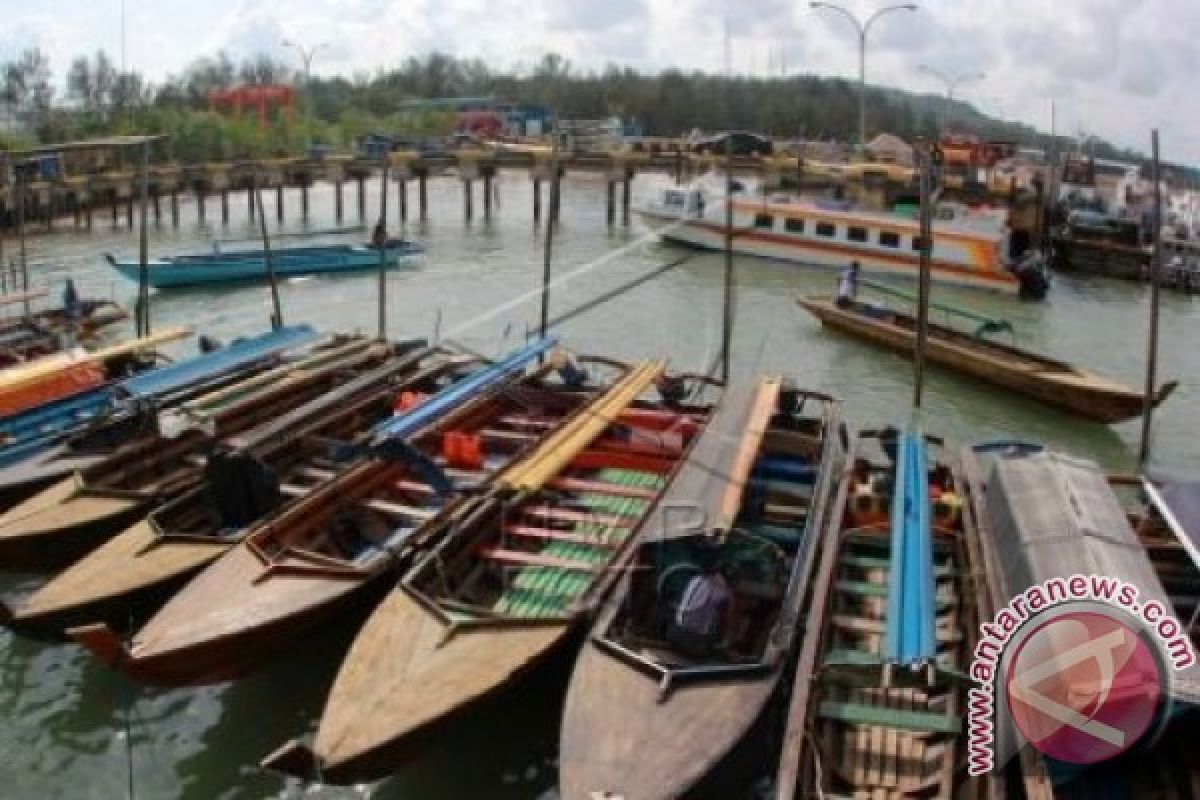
{"x":708,"y":235}
{"x":1102,"y":403}
{"x":198,"y":271}
{"x":611,"y":760}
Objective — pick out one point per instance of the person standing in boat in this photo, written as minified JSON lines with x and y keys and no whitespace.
{"x":847,"y":285}
{"x":379,"y":236}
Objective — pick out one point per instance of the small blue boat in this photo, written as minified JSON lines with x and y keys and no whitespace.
{"x":251,"y":265}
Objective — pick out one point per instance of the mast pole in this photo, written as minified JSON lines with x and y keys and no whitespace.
{"x":727,"y":299}
{"x":383,"y":194}
{"x":1152,"y":340}
{"x":551,"y":221}
{"x":926,"y":229}
{"x":276,"y":309}
{"x":143,"y":309}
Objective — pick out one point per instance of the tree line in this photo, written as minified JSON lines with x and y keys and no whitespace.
{"x":98,"y":99}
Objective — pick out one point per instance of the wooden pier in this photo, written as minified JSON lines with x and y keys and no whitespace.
{"x":114,"y":192}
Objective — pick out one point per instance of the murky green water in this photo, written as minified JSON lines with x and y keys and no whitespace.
{"x":64,"y":718}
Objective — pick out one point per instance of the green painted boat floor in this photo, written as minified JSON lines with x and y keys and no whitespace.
{"x":548,"y":591}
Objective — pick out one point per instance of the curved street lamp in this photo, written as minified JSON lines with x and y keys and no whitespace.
{"x":863,"y":29}
{"x":951,"y":82}
{"x":306,"y":55}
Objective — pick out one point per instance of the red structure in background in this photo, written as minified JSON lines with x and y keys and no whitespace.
{"x":260,"y":99}
{"x":967,"y":151}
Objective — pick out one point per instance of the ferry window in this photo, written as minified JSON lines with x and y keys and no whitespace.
{"x":918,"y":243}
{"x":889,"y":239}
{"x":764,"y":221}
{"x":672,"y":198}
{"x":794,"y":225}
{"x":856,"y":234}
{"x":826,"y":229}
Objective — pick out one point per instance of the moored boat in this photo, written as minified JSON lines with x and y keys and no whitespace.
{"x":1055,"y":383}
{"x":968,"y":253}
{"x":249,"y":477}
{"x":522,"y":569}
{"x":54,"y":439}
{"x":251,"y":265}
{"x":74,"y":515}
{"x":325,"y":554}
{"x":876,"y":708}
{"x":648,"y":714}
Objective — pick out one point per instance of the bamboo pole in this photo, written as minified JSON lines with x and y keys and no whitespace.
{"x":551,"y":220}
{"x":143,"y":309}
{"x":383,"y":195}
{"x":923,"y":287}
{"x":727,"y":301}
{"x":1155,"y":279}
{"x":22,"y":255}
{"x":276,"y":309}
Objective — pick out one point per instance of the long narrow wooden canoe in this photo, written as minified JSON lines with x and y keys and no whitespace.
{"x":51,"y":441}
{"x":242,"y":483}
{"x":526,"y":566}
{"x":78,"y":513}
{"x":860,"y":725}
{"x":41,"y":333}
{"x":325,"y":554}
{"x":647,"y":719}
{"x":1047,"y":380}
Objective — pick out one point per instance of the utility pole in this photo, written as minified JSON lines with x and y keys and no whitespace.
{"x":952,"y":82}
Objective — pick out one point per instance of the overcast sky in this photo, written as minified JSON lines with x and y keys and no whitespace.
{"x":1116,"y":68}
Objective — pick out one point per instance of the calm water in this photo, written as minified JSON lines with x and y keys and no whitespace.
{"x":66,"y":718}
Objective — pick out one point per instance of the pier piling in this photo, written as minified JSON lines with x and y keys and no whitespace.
{"x":487,"y":196}
{"x":468,"y":199}
{"x":114,"y":210}
{"x":174,"y":209}
{"x":224,"y":207}
{"x":537,"y":200}
{"x":625,"y":192}
{"x":279,"y":202}
{"x":201,"y":198}
{"x":362,"y":198}
{"x":338,"y":201}
{"x":402,"y":196}
{"x":250,"y":203}
{"x":304,"y":201}
{"x":610,"y":211}
{"x":156,"y":201}
{"x":129,"y":213}
{"x":423,"y":194}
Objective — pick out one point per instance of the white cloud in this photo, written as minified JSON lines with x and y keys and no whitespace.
{"x":1115,"y":67}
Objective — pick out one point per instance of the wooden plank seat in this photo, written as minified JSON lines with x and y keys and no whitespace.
{"x":894,"y":718}
{"x":523,"y":559}
{"x":547,"y":534}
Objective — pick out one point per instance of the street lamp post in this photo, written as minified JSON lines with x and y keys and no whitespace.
{"x":306,"y":55}
{"x":863,"y":29}
{"x":951,"y":82}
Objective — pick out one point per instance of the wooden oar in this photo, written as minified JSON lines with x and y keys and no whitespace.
{"x":739,"y":473}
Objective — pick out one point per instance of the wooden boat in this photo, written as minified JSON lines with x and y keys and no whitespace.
{"x":251,"y":265}
{"x":74,"y":515}
{"x":523,"y":567}
{"x":70,"y":372}
{"x":1119,"y":526}
{"x":326,"y":553}
{"x":52,"y":440}
{"x":647,"y":718}
{"x":41,"y":333}
{"x":1055,"y":383}
{"x":868,"y":717}
{"x":242,"y":484}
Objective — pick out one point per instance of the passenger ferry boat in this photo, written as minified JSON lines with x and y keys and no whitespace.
{"x":968,"y":249}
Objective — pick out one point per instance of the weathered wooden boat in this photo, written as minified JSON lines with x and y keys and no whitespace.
{"x":245,"y":480}
{"x":74,"y":515}
{"x":876,"y":708}
{"x":42,"y":332}
{"x":251,"y":265}
{"x":69,"y":372}
{"x":647,"y":718}
{"x":1045,"y":515}
{"x":45,"y":443}
{"x":1053,"y":382}
{"x":327,"y":553}
{"x":522,"y":568}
